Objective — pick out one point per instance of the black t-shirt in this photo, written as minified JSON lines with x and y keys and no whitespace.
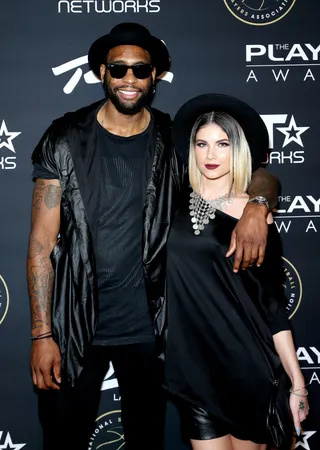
{"x":123,"y":310}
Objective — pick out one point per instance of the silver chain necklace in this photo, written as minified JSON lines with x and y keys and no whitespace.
{"x":202,"y":210}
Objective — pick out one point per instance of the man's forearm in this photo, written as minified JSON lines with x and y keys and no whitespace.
{"x":40,"y":283}
{"x":45,"y":228}
{"x":266,"y":184}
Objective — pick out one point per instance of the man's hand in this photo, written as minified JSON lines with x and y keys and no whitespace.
{"x":249,"y":238}
{"x":46,"y":364}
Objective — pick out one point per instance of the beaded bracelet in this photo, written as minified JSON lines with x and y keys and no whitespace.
{"x":303,"y":387}
{"x":298,"y":395}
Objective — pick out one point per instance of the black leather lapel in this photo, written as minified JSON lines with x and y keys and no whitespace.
{"x":86,"y":159}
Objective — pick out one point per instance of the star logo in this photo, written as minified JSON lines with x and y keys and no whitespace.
{"x":7,"y":137}
{"x":305,"y":437}
{"x":292,"y":133}
{"x":8,"y":444}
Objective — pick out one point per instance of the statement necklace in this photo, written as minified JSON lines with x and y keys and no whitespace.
{"x":202,"y":210}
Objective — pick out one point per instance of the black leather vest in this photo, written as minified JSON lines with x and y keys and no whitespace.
{"x":68,"y":149}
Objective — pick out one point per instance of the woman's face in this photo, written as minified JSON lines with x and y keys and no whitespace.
{"x":212,"y":151}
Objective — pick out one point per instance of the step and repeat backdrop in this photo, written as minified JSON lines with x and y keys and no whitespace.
{"x":264,"y":52}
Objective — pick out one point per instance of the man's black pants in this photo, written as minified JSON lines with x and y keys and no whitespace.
{"x":68,"y":415}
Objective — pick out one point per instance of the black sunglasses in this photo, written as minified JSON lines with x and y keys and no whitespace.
{"x":140,"y":71}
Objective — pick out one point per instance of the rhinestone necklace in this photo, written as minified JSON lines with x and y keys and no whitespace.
{"x":202,"y":210}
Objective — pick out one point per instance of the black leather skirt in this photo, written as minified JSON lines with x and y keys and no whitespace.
{"x":199,"y":425}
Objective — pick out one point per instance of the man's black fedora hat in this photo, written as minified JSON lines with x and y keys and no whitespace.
{"x":128,"y":33}
{"x":250,"y":121}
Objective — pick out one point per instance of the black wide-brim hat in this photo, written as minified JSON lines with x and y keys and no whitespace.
{"x":128,"y":33}
{"x":250,"y":121}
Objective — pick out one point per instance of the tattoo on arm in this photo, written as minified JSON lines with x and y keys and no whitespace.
{"x":40,"y":277}
{"x":35,"y":248}
{"x":38,"y":194}
{"x":52,"y":196}
{"x":49,"y":193}
{"x":45,"y":224}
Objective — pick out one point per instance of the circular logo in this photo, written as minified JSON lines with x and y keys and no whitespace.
{"x":4,"y":299}
{"x":108,"y":433}
{"x":293,"y":287}
{"x":259,"y":12}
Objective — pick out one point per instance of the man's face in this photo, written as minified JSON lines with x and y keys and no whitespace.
{"x":128,"y":94}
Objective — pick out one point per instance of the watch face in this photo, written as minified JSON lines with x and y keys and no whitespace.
{"x":260,"y":198}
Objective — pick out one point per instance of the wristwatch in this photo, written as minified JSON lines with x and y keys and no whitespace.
{"x":260,"y":201}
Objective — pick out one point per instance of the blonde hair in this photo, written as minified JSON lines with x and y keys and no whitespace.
{"x":240,"y":156}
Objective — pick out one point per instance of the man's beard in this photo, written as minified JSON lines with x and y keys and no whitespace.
{"x":127,"y":108}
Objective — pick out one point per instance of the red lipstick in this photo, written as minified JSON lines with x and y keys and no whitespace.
{"x":211,"y":166}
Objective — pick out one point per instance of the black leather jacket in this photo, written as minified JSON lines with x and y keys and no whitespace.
{"x":68,"y":150}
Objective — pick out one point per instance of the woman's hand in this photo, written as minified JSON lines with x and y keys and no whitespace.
{"x":299,"y":408}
